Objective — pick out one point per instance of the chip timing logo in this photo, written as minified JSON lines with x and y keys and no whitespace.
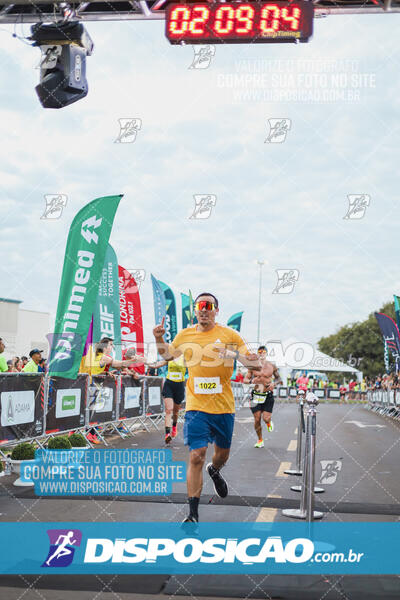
{"x":191,"y":550}
{"x":62,"y":547}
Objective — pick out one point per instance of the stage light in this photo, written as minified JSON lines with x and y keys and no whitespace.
{"x":64,"y":49}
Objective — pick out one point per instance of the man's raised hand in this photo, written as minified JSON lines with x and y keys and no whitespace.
{"x":159,"y":330}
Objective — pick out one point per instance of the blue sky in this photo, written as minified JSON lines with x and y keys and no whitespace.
{"x":283,"y":203}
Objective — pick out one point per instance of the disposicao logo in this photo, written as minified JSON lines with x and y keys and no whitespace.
{"x":62,"y":547}
{"x":190,"y":550}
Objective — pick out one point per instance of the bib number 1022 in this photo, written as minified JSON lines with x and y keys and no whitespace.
{"x":207,"y":386}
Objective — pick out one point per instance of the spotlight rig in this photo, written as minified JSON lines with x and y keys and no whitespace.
{"x":64,"y":47}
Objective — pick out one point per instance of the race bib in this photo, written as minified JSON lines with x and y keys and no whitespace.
{"x":207,"y":385}
{"x":258,"y":398}
{"x":175,"y":376}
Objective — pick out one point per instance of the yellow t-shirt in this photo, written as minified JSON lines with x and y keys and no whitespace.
{"x":176,"y":369}
{"x":208,"y":388}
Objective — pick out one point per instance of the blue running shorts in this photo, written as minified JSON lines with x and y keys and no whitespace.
{"x":201,"y":429}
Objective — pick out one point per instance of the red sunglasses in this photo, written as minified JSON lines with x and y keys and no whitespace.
{"x":204,"y":304}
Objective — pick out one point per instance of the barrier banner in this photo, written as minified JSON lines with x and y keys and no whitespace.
{"x":21,"y":406}
{"x":66,"y":403}
{"x":153,"y":402}
{"x":102,"y":399}
{"x":132,"y":398}
{"x":332,"y":393}
{"x":319,"y":392}
{"x":292,"y":392}
{"x":283,"y":392}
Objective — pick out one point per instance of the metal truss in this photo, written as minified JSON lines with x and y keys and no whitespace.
{"x":36,"y":11}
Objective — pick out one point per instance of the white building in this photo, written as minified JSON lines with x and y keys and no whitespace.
{"x":22,"y":330}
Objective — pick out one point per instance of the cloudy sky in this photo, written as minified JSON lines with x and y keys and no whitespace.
{"x":204,"y":131}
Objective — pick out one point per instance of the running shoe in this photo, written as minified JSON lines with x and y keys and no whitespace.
{"x":190,"y":519}
{"x":174,"y":431}
{"x":168,"y":438}
{"x":93,"y":439}
{"x":220,"y":485}
{"x":270,"y":426}
{"x":259,"y":444}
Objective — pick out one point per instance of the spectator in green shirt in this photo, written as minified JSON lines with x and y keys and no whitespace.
{"x":32,"y":365}
{"x":3,"y":362}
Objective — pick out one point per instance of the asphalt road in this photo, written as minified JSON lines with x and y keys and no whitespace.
{"x":359,"y":474}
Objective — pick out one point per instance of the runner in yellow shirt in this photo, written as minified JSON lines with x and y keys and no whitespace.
{"x":209,"y":350}
{"x":173,"y":393}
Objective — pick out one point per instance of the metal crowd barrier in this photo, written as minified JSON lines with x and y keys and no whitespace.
{"x":36,"y":407}
{"x":384,"y":402}
{"x":306,"y":510}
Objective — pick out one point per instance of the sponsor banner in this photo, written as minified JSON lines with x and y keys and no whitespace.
{"x":152,"y":394}
{"x":397,"y":310}
{"x":319,"y":392}
{"x":21,"y":406}
{"x":83,"y":263}
{"x":102,"y":399}
{"x":193,"y":318}
{"x":132,"y":398}
{"x":106,"y":314}
{"x":283,"y":392}
{"x":186,"y":315}
{"x":235,"y":322}
{"x":171,"y":322}
{"x":212,"y":548}
{"x":332,"y":393}
{"x":391,"y":337}
{"x":130,"y":315}
{"x":66,"y":403}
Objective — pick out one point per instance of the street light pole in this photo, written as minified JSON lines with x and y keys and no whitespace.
{"x":260,"y":263}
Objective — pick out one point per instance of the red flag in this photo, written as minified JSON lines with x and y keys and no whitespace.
{"x":131,"y":315}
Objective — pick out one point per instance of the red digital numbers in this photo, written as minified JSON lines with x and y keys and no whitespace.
{"x":219,"y":22}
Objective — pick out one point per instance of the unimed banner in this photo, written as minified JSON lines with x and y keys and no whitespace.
{"x":83,"y":263}
{"x":21,"y":406}
{"x":132,"y":398}
{"x":66,"y":404}
{"x":102,"y":399}
{"x":391,"y":336}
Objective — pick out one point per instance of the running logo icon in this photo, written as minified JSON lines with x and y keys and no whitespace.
{"x":202,"y":56}
{"x":63,"y":543}
{"x":139,"y":276}
{"x":55,"y":204}
{"x":330,"y":470}
{"x":358,"y":204}
{"x":203,"y":205}
{"x":278,"y":129}
{"x":128,"y":129}
{"x":286,"y":281}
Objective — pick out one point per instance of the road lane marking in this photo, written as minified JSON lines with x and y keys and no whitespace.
{"x":284,"y":466}
{"x":266,"y":515}
{"x":292,"y":446}
{"x":296,"y":430}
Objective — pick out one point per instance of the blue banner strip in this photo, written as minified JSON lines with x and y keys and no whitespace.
{"x":147,"y":548}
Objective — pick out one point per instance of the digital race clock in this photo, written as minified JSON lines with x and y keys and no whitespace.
{"x":236,"y":22}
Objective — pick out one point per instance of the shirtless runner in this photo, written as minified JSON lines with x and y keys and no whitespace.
{"x":262,"y":398}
